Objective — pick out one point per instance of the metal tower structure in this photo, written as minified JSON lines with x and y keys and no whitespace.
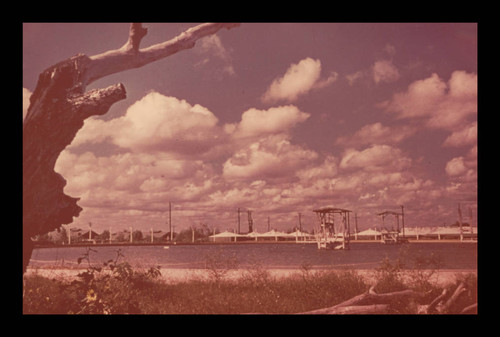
{"x":333,"y":234}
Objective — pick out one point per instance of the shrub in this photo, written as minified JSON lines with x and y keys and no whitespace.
{"x":117,"y":288}
{"x":113,"y":288}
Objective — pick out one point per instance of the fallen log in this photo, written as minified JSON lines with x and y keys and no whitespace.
{"x":369,"y":302}
{"x":471,"y":309}
{"x":443,"y":305}
{"x":352,"y":310}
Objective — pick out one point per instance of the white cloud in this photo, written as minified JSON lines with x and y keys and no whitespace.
{"x":327,"y":169}
{"x":376,"y":157}
{"x":440,"y":104}
{"x":255,"y":122}
{"x":157,"y":123}
{"x":377,"y":133}
{"x":463,"y":168}
{"x":167,"y":124}
{"x":212,"y":46}
{"x":115,"y":179}
{"x":327,"y":81}
{"x":354,"y":77}
{"x":456,"y":167}
{"x":466,"y":136}
{"x":298,"y":80}
{"x":273,"y":157}
{"x":384,"y":71}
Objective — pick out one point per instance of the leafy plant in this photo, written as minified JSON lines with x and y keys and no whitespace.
{"x":112,"y":288}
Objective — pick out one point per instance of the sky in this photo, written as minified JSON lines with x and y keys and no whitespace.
{"x":275,"y":118}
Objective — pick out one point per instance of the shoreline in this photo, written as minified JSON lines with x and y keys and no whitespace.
{"x":250,"y":242}
{"x":177,"y":275}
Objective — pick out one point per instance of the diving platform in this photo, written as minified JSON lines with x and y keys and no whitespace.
{"x":392,"y":236}
{"x":334,"y":230}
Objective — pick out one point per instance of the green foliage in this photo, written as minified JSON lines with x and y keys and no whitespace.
{"x":201,"y":233}
{"x":219,"y":265}
{"x":116,"y":287}
{"x":113,"y":288}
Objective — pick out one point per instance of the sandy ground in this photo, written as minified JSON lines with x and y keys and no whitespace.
{"x":172,"y":275}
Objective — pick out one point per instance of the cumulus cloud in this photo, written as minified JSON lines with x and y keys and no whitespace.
{"x":376,"y":157}
{"x":327,"y":169}
{"x":157,"y":123}
{"x":298,"y":80}
{"x":167,"y":124}
{"x":384,"y":71}
{"x":107,"y":180}
{"x":377,"y":133}
{"x":354,"y":77}
{"x":440,"y":104}
{"x":272,"y":157}
{"x":211,"y":46}
{"x":26,"y":101}
{"x":466,"y":136}
{"x":456,"y":167}
{"x":164,"y":142}
{"x":255,"y":122}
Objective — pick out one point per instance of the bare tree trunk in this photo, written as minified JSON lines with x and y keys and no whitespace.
{"x":372,"y":303}
{"x":367,"y":303}
{"x":58,"y":107}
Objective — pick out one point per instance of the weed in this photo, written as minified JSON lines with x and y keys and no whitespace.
{"x":218,"y":265}
{"x":115,"y":287}
{"x":108,"y":289}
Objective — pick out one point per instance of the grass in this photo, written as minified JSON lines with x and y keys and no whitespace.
{"x":117,"y":288}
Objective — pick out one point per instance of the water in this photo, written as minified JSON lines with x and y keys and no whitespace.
{"x":274,"y":256}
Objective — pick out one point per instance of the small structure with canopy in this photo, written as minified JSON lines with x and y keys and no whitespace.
{"x":334,"y":231}
{"x":392,"y":236}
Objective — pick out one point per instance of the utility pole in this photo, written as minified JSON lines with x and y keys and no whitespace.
{"x":238,"y":220}
{"x":460,"y":222}
{"x":300,"y":223}
{"x":90,"y":231}
{"x":170,"y":221}
{"x":355,"y":226}
{"x":250,"y":222}
{"x":130,"y":234}
{"x":470,"y":223}
{"x":403,"y":218}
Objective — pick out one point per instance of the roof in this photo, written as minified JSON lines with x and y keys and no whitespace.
{"x":299,"y":233}
{"x":254,"y":234}
{"x":226,"y":234}
{"x":369,"y":232}
{"x":273,"y":233}
{"x":330,"y":210}
{"x":447,"y":230}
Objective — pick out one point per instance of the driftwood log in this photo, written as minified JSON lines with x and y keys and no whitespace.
{"x":58,"y":107}
{"x":371,"y":302}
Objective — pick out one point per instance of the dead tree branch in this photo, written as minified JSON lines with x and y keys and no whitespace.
{"x":368,"y":303}
{"x":58,"y":107}
{"x":371,"y":302}
{"x":130,"y":56}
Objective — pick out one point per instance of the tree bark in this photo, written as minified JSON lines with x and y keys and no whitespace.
{"x":58,"y":107}
{"x":368,"y":303}
{"x":351,"y":310}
